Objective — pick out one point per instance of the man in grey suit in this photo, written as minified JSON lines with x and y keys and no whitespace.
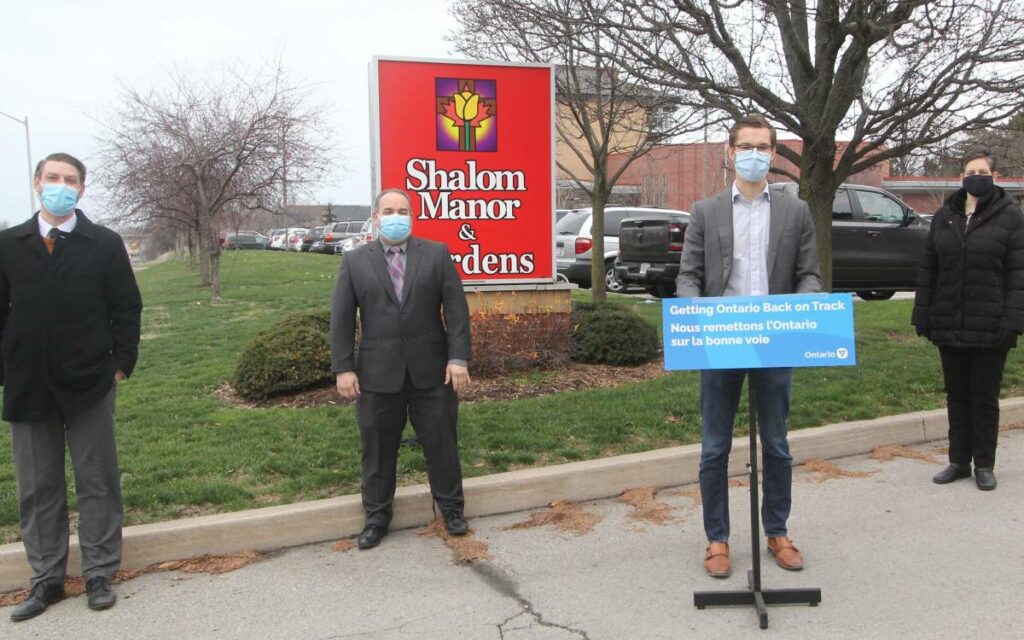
{"x":748,"y":241}
{"x":411,"y":362}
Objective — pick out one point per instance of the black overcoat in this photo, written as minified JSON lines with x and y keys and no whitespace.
{"x":68,"y":321}
{"x":970,"y":285}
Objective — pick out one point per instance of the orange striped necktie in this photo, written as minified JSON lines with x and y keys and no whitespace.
{"x":51,"y":239}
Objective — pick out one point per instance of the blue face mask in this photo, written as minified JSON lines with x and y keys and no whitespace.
{"x":753,"y":165}
{"x":59,"y":199}
{"x":396,"y":227}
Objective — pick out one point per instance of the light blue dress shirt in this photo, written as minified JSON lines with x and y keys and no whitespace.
{"x":749,"y":273}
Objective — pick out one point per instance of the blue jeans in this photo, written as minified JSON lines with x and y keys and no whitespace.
{"x":719,"y":399}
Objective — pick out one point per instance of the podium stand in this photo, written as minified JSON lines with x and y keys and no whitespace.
{"x":756,"y":332}
{"x":755,"y":595}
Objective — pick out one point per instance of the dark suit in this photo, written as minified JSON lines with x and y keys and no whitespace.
{"x":69,"y":322}
{"x":404,"y":349}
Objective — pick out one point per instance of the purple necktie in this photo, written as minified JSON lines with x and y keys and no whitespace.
{"x":396,"y":270}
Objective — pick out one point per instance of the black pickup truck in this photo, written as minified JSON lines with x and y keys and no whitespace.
{"x":877,"y":242}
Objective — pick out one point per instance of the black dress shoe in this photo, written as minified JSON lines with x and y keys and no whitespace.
{"x":101,"y":596}
{"x":455,"y":523}
{"x":43,"y":595}
{"x":951,"y":473}
{"x":985,"y":479}
{"x":371,"y":536}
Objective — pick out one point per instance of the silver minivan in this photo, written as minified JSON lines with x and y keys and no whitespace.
{"x":573,"y":243}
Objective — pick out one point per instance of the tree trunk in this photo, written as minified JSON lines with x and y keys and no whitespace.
{"x":598,"y":199}
{"x":215,"y":272}
{"x":202,"y":243}
{"x":191,"y":248}
{"x":818,"y":189}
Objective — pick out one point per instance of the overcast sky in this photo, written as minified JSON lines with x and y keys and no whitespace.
{"x":62,"y":63}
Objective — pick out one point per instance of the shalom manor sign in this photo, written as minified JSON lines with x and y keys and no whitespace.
{"x":473,"y":145}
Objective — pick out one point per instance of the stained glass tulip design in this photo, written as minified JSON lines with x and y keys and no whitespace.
{"x":466,"y":111}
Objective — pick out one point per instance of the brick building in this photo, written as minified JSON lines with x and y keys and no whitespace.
{"x":926,"y":194}
{"x":677,"y":175}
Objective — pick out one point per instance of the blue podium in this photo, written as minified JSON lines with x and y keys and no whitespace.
{"x":803,"y":330}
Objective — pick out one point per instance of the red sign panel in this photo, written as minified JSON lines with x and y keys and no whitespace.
{"x":472,"y":144}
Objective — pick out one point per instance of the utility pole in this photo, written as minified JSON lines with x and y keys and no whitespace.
{"x":28,"y":152}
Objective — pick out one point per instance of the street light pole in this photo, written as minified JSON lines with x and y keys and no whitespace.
{"x":28,"y":155}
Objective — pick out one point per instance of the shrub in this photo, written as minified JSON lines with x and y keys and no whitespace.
{"x":612,"y":334}
{"x":292,"y":355}
{"x":508,"y":342}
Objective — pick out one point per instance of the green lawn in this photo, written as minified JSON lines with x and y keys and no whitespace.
{"x":184,"y":452}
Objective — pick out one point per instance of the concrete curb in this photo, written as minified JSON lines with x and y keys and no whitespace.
{"x":323,"y":520}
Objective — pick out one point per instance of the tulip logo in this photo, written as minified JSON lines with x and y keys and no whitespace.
{"x":466,"y":115}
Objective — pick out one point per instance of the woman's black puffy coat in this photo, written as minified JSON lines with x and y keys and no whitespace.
{"x":970,"y":285}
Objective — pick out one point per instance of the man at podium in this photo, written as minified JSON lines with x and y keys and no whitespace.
{"x":748,"y":241}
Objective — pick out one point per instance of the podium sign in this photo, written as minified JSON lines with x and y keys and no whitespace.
{"x":753,"y":332}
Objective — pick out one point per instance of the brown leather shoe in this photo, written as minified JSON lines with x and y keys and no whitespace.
{"x":786,"y":555}
{"x":716,"y":560}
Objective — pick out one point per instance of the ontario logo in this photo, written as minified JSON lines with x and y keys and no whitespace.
{"x":466,"y":114}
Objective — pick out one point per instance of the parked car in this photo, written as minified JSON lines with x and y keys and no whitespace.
{"x":365,"y":235}
{"x":347,"y":244}
{"x":276,"y":239}
{"x":245,"y":240}
{"x":311,"y":236}
{"x":573,"y":243}
{"x":877,"y":243}
{"x":294,"y":238}
{"x":337,"y":232}
{"x":649,"y":251}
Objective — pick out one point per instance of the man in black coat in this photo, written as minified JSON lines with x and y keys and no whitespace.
{"x":411,"y":363}
{"x":70,"y":313}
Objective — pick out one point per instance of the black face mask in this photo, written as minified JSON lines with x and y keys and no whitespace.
{"x":978,"y":186}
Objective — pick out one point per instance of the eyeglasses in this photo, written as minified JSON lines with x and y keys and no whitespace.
{"x":761,"y":148}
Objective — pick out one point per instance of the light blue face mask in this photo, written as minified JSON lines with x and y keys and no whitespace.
{"x":396,"y":227}
{"x":753,"y":165}
{"x":59,"y":199}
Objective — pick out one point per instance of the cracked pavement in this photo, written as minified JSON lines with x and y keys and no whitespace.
{"x":895,"y":556}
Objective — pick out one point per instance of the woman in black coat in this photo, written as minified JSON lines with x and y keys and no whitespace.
{"x":970,"y":303}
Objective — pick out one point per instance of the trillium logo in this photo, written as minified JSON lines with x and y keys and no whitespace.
{"x":842,"y":353}
{"x":466,"y":114}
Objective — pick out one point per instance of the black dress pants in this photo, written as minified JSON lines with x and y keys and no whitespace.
{"x":972,"y":377}
{"x":434,"y":414}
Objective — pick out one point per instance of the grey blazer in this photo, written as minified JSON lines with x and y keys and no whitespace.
{"x":420,"y":334}
{"x":792,"y":258}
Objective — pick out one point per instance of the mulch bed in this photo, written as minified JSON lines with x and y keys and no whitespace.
{"x":571,"y":377}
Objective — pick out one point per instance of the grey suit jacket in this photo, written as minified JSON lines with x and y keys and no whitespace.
{"x":707,"y":248}
{"x":420,"y":334}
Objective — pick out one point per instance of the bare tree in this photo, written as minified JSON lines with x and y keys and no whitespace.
{"x":891,"y":75}
{"x":204,"y":147}
{"x":1005,"y":142}
{"x":602,"y":110}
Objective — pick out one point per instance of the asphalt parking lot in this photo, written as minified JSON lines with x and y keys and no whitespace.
{"x":894,"y":555}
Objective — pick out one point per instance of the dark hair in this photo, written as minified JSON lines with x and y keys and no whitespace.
{"x":380,"y":196}
{"x":754,"y":121}
{"x":979,"y":153}
{"x":62,"y":157}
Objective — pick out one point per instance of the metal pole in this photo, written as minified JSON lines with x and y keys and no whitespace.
{"x":31,"y":185}
{"x":28,"y":148}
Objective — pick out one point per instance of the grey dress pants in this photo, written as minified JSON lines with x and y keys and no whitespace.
{"x":42,"y":491}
